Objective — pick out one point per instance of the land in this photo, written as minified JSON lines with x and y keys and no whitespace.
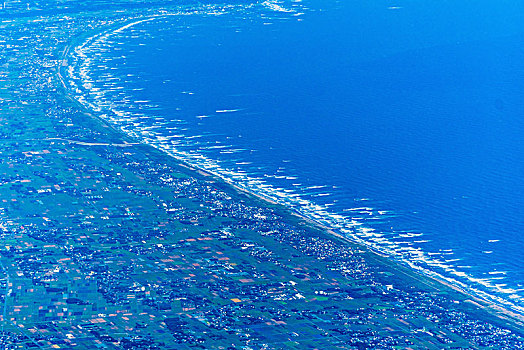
{"x":109,"y":243}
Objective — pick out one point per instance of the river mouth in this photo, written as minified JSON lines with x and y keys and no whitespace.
{"x":240,"y":127}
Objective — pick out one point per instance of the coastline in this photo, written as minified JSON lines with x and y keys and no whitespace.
{"x":490,"y":307}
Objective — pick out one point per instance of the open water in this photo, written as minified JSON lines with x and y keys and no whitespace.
{"x":400,"y":123}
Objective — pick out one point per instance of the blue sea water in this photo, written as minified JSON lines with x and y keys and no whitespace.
{"x":400,"y":123}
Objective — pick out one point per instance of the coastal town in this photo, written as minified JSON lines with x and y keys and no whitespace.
{"x":110,"y":243}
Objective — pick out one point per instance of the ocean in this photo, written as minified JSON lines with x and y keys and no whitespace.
{"x":398,"y":123}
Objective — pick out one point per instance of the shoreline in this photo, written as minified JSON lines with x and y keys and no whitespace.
{"x":490,"y":307}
